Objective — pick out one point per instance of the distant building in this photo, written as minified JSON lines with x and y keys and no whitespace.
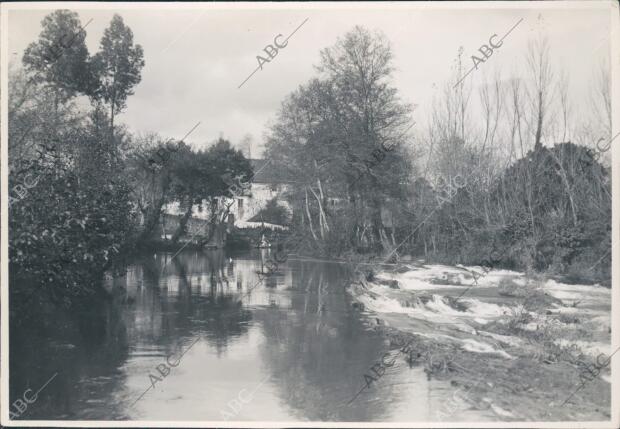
{"x":268,"y":182}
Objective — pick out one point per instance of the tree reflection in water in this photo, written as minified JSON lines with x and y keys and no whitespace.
{"x":298,"y":325}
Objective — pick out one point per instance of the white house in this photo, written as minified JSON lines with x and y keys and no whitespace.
{"x":264,"y":186}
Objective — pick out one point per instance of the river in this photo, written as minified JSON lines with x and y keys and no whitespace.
{"x":202,"y":337}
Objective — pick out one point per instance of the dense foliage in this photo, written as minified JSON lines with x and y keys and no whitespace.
{"x":464,"y":193}
{"x":343,"y":137}
{"x":272,"y":213}
{"x":84,"y":192}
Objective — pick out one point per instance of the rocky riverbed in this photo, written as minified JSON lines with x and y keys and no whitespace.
{"x":523,"y":347}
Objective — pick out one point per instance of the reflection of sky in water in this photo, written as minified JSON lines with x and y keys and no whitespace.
{"x":296,"y":332}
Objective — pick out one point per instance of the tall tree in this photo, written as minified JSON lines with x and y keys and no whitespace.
{"x":149,"y":167}
{"x":599,"y":130}
{"x":118,"y":66}
{"x":541,"y":93}
{"x":360,"y":67}
{"x":341,"y":136}
{"x":59,"y":58}
{"x":200,"y":178}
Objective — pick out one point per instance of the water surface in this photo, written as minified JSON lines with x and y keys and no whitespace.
{"x":283,"y":347}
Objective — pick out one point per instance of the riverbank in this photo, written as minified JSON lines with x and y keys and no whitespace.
{"x":514,"y":344}
{"x":236,"y":240}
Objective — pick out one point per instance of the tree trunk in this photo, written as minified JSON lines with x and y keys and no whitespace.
{"x":322,"y":218}
{"x":562,"y":173}
{"x":182,"y":224}
{"x":377,"y":222}
{"x":539,"y":123}
{"x":308,"y":214}
{"x":152,"y":217}
{"x":112,"y":103}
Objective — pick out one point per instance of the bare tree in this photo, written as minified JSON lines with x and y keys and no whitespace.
{"x":600,"y":128}
{"x":246,"y":144}
{"x":541,"y":92}
{"x":566,"y":109}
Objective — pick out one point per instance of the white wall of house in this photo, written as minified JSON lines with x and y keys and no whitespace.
{"x":174,"y":210}
{"x":243,"y":208}
{"x":259,"y":195}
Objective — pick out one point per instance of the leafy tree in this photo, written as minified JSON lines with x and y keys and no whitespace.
{"x":117,"y":66}
{"x":570,"y":204}
{"x":67,"y":224}
{"x":59,"y":58}
{"x":70,"y":225}
{"x":203,"y":178}
{"x":341,"y":136}
{"x":149,"y":164}
{"x":186,"y":184}
{"x":272,"y":213}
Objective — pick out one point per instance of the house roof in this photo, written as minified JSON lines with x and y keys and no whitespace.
{"x":267,"y":171}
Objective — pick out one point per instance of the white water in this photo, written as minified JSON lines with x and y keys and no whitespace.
{"x":457,"y":303}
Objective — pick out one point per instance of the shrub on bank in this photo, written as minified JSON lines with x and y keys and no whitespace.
{"x":68,"y":229}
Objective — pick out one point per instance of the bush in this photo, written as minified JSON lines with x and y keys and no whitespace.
{"x":66,"y":230}
{"x":273,"y":213}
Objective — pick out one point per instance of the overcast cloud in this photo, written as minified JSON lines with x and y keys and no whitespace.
{"x":196,"y":59}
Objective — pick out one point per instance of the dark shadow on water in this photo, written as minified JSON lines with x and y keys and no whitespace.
{"x":311,"y":340}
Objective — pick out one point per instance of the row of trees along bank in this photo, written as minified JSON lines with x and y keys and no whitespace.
{"x":84,"y":190}
{"x":521,"y":201}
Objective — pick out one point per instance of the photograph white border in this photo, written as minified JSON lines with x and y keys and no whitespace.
{"x":611,"y":5}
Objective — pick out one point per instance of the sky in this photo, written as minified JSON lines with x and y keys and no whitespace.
{"x":196,"y":56}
